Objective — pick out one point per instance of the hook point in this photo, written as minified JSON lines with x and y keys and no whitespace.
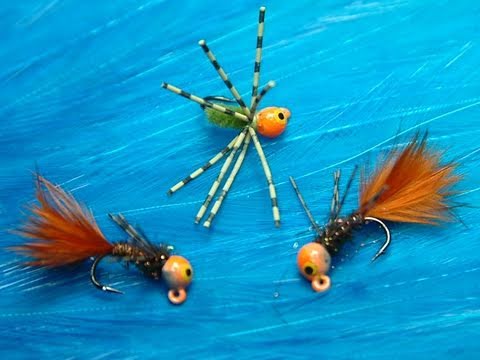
{"x":112,"y":290}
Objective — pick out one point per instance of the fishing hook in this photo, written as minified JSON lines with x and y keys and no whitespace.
{"x":93,"y":277}
{"x":388,"y":239}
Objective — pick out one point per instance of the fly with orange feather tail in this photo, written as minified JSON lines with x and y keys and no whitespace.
{"x":409,"y":185}
{"x":62,"y":232}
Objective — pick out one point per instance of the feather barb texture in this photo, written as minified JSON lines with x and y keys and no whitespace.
{"x":62,"y":230}
{"x":410,"y":185}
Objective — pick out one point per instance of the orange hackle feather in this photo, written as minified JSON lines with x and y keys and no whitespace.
{"x":409,"y":186}
{"x":64,"y":232}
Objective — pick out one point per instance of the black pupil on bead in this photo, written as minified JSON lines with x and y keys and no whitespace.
{"x":188,"y":272}
{"x":308,"y":270}
{"x":281,"y":116}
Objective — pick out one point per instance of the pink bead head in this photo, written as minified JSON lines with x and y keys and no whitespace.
{"x":314,"y":261}
{"x":178,"y":274}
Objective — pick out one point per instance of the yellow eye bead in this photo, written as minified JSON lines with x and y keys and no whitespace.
{"x":309,"y":269}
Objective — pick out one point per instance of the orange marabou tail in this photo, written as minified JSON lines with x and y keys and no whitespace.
{"x":409,"y":186}
{"x":63,"y":231}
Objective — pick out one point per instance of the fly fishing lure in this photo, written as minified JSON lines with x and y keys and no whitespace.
{"x":64,"y":233}
{"x":269,"y":122}
{"x":409,"y":186}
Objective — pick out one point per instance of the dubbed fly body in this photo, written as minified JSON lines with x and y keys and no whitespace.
{"x":234,"y":113}
{"x":410,"y":185}
{"x":63,"y":232}
{"x":269,"y":122}
{"x":337,"y":232}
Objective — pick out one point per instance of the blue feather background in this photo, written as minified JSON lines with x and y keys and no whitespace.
{"x":80,"y":96}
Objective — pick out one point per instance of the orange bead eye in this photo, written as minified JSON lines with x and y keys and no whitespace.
{"x":272,"y":121}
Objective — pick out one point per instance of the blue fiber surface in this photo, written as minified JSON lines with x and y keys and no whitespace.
{"x":80,"y":96}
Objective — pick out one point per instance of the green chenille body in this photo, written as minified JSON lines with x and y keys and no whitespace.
{"x":224,"y":120}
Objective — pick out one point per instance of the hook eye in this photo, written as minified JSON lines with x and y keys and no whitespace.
{"x":321,"y":283}
{"x":177,"y":296}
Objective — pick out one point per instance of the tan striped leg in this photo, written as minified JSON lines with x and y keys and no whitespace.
{"x":256,"y":100}
{"x":228,"y":183}
{"x":202,"y":169}
{"x":218,"y":180}
{"x":203,"y":102}
{"x":268,"y":175}
{"x":258,"y":54}
{"x":224,"y":76}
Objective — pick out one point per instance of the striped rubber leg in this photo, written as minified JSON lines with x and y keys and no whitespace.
{"x":268,"y":175}
{"x":256,"y":100}
{"x":228,"y":183}
{"x":120,"y":220}
{"x":258,"y":53}
{"x":224,"y":76}
{"x":305,"y":206}
{"x":202,"y":169}
{"x":203,"y":102}
{"x":221,"y":175}
{"x":335,"y":198}
{"x":347,"y":189}
{"x":137,"y":236}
